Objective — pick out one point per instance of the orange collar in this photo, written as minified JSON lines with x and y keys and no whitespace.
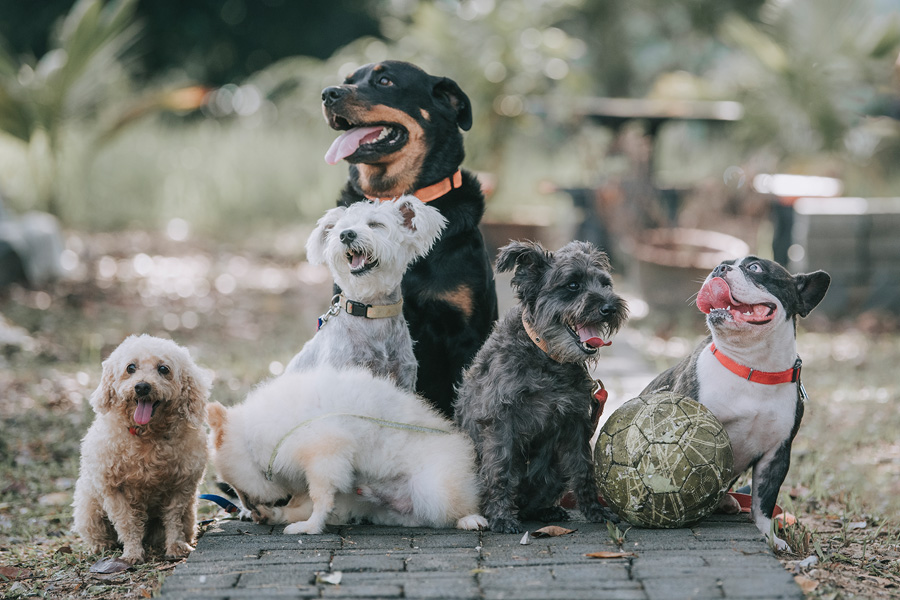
{"x":434,"y":191}
{"x":791,"y":375}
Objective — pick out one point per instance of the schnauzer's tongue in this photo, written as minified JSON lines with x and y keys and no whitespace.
{"x":143,"y":412}
{"x":715,"y":293}
{"x":347,"y":143}
{"x":591,"y":336}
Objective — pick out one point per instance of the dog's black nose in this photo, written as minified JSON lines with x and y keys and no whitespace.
{"x":721,"y":270}
{"x":607,"y":309}
{"x":347,"y":236}
{"x":142,"y":388}
{"x":332,"y":94}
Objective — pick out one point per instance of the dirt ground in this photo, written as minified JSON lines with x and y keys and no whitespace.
{"x":244,"y":311}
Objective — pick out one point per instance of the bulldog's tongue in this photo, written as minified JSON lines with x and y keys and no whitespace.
{"x":715,"y":293}
{"x":347,"y":143}
{"x":589,"y":335}
{"x":143,"y":412}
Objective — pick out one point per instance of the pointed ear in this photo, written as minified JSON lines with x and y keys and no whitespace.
{"x":315,"y":245}
{"x":104,"y":396}
{"x":448,"y":93}
{"x":812,"y":288}
{"x":424,"y":223}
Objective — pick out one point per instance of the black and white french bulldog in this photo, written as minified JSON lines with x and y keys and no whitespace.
{"x":748,"y":371}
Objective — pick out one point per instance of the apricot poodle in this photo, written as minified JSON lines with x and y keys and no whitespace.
{"x":144,"y":455}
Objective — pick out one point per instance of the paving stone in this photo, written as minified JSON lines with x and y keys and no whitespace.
{"x":691,"y":587}
{"x":368,"y":563}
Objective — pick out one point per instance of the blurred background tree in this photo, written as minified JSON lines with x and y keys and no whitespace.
{"x":815,"y":77}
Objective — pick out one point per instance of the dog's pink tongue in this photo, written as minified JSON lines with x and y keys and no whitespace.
{"x":591,"y":336}
{"x":143,"y":412}
{"x":357,"y":261}
{"x":347,"y":143}
{"x":715,"y":293}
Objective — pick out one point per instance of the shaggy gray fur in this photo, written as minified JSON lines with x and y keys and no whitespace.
{"x":528,"y":413}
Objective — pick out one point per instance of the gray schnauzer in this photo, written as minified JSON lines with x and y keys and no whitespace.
{"x":526,"y":400}
{"x":367,"y":247}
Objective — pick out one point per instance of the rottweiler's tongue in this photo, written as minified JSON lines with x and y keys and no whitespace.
{"x":715,"y":293}
{"x":347,"y":143}
{"x":143,"y":412}
{"x":589,"y":335}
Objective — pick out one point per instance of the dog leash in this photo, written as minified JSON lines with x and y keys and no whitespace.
{"x":359,"y":309}
{"x":377,"y":421}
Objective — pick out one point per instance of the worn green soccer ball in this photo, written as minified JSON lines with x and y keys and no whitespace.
{"x":663,"y":460}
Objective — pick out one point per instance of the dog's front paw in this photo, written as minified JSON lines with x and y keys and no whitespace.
{"x":262,"y":514}
{"x":506,"y":525}
{"x":546,"y":514}
{"x":596,"y":513}
{"x":132,"y":557}
{"x":178,"y":549}
{"x":472,"y":523}
{"x":728,"y":505}
{"x":779,"y":544}
{"x":307,"y":527}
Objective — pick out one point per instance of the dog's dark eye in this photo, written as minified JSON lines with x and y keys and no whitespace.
{"x":384,"y":81}
{"x":162,"y":370}
{"x":755,"y":267}
{"x":130,"y":368}
{"x":376,"y":225}
{"x":573,"y":286}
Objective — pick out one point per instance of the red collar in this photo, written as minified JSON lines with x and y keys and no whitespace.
{"x":791,"y":375}
{"x":434,"y":191}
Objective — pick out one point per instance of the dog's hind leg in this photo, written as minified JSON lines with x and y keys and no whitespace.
{"x":326,"y":474}
{"x":91,"y":522}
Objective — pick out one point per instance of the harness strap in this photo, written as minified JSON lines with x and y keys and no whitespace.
{"x":377,"y":421}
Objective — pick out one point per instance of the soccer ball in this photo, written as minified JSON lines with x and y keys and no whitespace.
{"x":663,"y":460}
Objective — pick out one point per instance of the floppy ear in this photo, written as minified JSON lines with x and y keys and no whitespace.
{"x":105,"y":395}
{"x":315,"y":245}
{"x":423,"y":223}
{"x":448,"y":93}
{"x":194,"y":392}
{"x":812,"y":288}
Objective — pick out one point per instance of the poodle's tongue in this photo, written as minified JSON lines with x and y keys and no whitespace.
{"x":589,"y":335}
{"x":715,"y":293}
{"x":347,"y":143}
{"x":143,"y":412}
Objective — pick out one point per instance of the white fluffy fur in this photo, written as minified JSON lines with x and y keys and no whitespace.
{"x":141,"y":488}
{"x":390,"y":235}
{"x":395,"y":232}
{"x":341,"y":468}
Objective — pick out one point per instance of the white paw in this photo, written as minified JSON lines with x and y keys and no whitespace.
{"x":307,"y":527}
{"x":779,"y":544}
{"x":472,"y":522}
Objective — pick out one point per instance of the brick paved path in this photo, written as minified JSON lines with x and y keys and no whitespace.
{"x":723,"y":557}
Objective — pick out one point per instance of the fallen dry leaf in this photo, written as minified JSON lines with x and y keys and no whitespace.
{"x":552,"y":531}
{"x":526,"y":539}
{"x":806,"y":584}
{"x":606,"y":554}
{"x":110,"y":564}
{"x":13,"y":573}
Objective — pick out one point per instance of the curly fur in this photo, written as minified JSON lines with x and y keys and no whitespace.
{"x":137,"y":489}
{"x":528,"y":410}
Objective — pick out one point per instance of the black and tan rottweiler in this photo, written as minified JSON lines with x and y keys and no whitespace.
{"x":401,"y":135}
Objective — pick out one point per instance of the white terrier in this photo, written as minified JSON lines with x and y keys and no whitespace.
{"x":367,"y":247}
{"x":344,"y":445}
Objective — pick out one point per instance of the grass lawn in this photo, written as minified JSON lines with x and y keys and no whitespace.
{"x":244,"y":312}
